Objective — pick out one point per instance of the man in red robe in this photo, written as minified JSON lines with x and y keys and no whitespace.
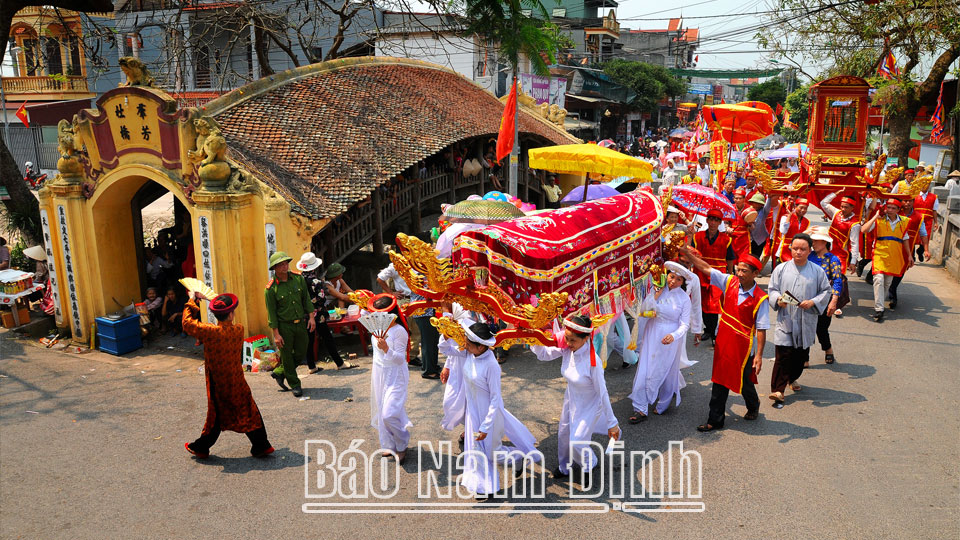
{"x":917,"y":239}
{"x":744,"y":318}
{"x":926,"y":204}
{"x":739,"y":228}
{"x":717,"y":250}
{"x":792,"y":223}
{"x":230,"y":404}
{"x":844,"y":230}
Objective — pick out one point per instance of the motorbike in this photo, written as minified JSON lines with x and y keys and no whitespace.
{"x":34,"y":178}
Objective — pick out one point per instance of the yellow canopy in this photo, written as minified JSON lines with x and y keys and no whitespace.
{"x":589,"y":158}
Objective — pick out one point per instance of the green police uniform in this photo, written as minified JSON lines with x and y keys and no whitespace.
{"x":288,"y":310}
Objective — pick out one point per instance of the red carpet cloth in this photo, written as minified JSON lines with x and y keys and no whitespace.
{"x":584,"y":250}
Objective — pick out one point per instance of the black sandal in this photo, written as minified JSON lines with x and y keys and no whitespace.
{"x":432,"y":376}
{"x":703,"y":428}
{"x":829,"y":359}
{"x":637,"y":417}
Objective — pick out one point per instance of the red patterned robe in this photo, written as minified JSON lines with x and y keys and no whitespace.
{"x":229,"y":401}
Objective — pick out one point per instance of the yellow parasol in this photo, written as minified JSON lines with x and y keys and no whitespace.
{"x":589,"y":158}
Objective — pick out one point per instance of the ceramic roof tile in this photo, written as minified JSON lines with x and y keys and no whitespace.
{"x":326,"y":138}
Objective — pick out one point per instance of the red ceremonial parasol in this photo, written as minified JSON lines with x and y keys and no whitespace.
{"x":700,"y":199}
{"x":738,"y":123}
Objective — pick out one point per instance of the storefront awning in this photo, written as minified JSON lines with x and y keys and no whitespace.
{"x":589,"y":99}
{"x":573,"y":124}
{"x":50,"y":113}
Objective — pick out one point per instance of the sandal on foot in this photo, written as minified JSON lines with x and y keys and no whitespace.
{"x":316,"y":370}
{"x":637,"y":417}
{"x":777,"y":396}
{"x":751,"y":415}
{"x":829,"y":359}
{"x":199,"y":455}
{"x":703,"y":428}
{"x":346,"y":365}
{"x":795,"y":387}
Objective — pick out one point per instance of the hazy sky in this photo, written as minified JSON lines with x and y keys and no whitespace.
{"x":718,"y":34}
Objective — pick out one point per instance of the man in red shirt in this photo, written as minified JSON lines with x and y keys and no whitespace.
{"x":717,"y":250}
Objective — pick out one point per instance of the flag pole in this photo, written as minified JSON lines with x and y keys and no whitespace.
{"x":883,"y":118}
{"x":515,"y":152}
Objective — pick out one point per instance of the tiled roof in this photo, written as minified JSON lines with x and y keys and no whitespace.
{"x":324,"y":136}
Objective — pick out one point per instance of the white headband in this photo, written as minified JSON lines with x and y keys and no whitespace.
{"x":574,"y":326}
{"x":476,"y":339}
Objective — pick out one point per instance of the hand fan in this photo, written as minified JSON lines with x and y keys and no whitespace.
{"x":459,"y":313}
{"x":377,"y":322}
{"x":195,"y":285}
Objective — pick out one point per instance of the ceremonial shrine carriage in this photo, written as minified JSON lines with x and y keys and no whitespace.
{"x":596,"y":258}
{"x":835,"y":160}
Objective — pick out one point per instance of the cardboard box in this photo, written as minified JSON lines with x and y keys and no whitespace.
{"x":7,"y":316}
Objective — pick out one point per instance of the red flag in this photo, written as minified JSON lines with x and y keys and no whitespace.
{"x":787,"y":122}
{"x":22,"y":114}
{"x":507,"y":131}
{"x":937,"y":119}
{"x":696,"y":58}
{"x":723,"y":101}
{"x":779,"y":109}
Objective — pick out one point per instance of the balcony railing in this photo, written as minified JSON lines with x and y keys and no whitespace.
{"x":44,"y":85}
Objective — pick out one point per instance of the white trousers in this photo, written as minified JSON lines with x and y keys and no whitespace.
{"x":881,"y":284}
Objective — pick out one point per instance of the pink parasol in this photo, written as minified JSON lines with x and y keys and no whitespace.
{"x":700,"y":199}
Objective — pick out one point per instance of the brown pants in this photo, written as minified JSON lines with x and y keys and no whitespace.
{"x":788,"y":366}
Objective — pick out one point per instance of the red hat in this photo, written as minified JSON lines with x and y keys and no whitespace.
{"x":895,"y":202}
{"x":803,"y":201}
{"x":715,"y":212}
{"x":224,"y":303}
{"x":750,"y":260}
{"x":909,"y":171}
{"x":392,"y":305}
{"x":692,"y":165}
{"x":848,"y":200}
{"x":740,"y":191}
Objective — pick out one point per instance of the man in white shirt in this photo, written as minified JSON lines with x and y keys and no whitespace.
{"x":399,"y":287}
{"x":703,"y":171}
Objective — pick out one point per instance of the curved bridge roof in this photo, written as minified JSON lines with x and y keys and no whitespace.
{"x":325,"y":135}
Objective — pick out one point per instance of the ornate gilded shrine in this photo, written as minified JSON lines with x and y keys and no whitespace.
{"x":836,"y":143}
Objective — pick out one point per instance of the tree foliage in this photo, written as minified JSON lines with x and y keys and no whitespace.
{"x":855,"y":37}
{"x":798,"y":106}
{"x":650,"y":82}
{"x":503,"y":22}
{"x":771,"y":92}
{"x":22,"y":206}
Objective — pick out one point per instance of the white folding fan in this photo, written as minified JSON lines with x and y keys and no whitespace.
{"x":459,"y":313}
{"x":195,"y":285}
{"x":377,"y":322}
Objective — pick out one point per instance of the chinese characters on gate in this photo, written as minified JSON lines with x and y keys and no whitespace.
{"x":51,"y":267}
{"x":205,"y":247}
{"x":68,"y":266}
{"x":125,"y":133}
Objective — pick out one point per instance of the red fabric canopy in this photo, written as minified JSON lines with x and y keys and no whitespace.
{"x":565,"y":250}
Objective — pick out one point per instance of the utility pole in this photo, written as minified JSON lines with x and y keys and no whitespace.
{"x":515,"y":153}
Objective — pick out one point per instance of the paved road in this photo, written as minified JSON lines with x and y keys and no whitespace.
{"x":91,"y":446}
